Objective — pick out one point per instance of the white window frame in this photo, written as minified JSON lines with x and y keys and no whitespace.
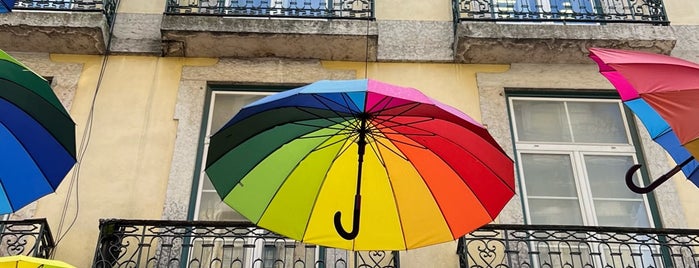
{"x":577,"y":151}
{"x":259,"y":249}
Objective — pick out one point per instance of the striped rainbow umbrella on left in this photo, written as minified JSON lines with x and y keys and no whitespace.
{"x":37,"y":136}
{"x":6,"y":5}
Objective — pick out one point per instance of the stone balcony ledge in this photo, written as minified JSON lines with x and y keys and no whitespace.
{"x":82,"y":32}
{"x":502,"y":43}
{"x":215,"y":36}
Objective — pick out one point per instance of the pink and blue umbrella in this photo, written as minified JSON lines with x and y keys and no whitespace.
{"x":37,"y":137}
{"x":663,"y":92}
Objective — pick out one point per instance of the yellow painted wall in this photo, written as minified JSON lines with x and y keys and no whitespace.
{"x":452,"y":84}
{"x":124,"y":170}
{"x":141,"y":6}
{"x":682,"y":12}
{"x":413,"y":10}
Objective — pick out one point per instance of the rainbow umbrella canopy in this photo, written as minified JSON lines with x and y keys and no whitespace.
{"x":37,"y":136}
{"x":360,"y":165}
{"x":20,"y":261}
{"x":663,"y":92}
{"x":6,"y":5}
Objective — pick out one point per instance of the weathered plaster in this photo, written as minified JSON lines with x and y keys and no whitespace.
{"x":482,"y":42}
{"x":54,"y":32}
{"x":137,"y":33}
{"x":210,"y":36}
{"x":492,"y":86}
{"x":407,"y":40}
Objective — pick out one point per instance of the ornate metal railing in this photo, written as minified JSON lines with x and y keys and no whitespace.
{"x":345,"y":9}
{"x":208,"y":244}
{"x":589,"y":11}
{"x":505,"y":246}
{"x":26,"y":237}
{"x":108,"y":7}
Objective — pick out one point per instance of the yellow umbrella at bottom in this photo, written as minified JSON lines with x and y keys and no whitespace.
{"x":20,"y":261}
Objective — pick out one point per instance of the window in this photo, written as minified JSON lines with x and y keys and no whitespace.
{"x":248,"y":250}
{"x":572,"y":157}
{"x":223,"y":106}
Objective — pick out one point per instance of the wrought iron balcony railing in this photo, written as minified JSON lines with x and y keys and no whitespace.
{"x":319,"y":9}
{"x":26,"y":237}
{"x":108,"y":7}
{"x":208,"y":244}
{"x":584,"y":11}
{"x":506,"y":246}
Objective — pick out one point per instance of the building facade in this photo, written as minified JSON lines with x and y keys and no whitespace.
{"x":147,"y":82}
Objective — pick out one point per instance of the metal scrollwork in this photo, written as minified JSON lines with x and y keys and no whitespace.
{"x":578,"y":246}
{"x":346,"y":9}
{"x":589,"y":11}
{"x":204,"y":244}
{"x":26,"y":237}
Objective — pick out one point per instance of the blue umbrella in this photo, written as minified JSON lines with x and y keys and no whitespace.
{"x":6,"y":5}
{"x":37,"y":137}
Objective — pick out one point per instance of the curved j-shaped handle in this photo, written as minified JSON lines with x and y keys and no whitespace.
{"x":660,"y":180}
{"x":355,"y":221}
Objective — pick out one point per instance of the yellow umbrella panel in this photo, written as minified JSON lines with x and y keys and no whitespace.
{"x":31,"y":262}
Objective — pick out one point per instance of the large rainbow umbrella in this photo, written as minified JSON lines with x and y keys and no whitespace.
{"x":360,"y":165}
{"x":37,"y":136}
{"x":663,"y":92}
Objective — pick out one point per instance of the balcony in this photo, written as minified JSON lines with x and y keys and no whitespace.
{"x":26,"y":237}
{"x":506,"y":246}
{"x":319,"y":29}
{"x":154,"y":243}
{"x":556,"y":31}
{"x":57,"y":26}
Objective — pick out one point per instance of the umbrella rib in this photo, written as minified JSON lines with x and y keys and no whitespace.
{"x":330,"y":119}
{"x":379,"y":155}
{"x":321,"y":99}
{"x":43,"y":175}
{"x":475,"y":156}
{"x":454,"y":171}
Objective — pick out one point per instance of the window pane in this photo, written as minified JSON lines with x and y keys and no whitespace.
{"x":621,"y":213}
{"x":541,"y":121}
{"x":555,"y":211}
{"x":597,"y":122}
{"x":549,"y":175}
{"x":226,"y":106}
{"x":607,"y":173}
{"x":212,"y":208}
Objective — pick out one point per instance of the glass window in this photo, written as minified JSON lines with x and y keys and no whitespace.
{"x":224,"y":105}
{"x":572,"y":156}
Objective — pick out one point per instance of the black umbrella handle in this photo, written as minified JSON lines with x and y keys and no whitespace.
{"x":355,"y":221}
{"x":657,"y":182}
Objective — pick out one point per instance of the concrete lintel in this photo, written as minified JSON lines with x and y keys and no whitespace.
{"x":480,"y":42}
{"x":208,"y":36}
{"x":54,"y":32}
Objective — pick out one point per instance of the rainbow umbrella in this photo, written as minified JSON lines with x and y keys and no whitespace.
{"x":408,"y":170}
{"x":6,"y":5}
{"x":663,"y":92}
{"x":20,"y":261}
{"x":37,"y":137}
